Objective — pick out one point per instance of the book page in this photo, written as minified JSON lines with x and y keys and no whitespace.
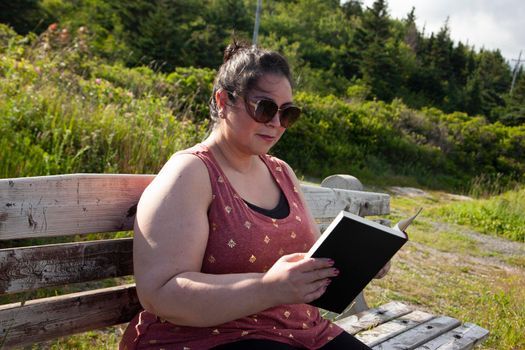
{"x":403,"y":224}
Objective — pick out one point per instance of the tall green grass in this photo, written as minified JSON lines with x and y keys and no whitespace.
{"x":62,"y":112}
{"x":500,"y":215}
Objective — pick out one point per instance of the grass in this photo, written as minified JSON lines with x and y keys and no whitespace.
{"x":500,"y":215}
{"x":447,"y":269}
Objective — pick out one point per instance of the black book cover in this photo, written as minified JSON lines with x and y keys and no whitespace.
{"x":359,"y":248}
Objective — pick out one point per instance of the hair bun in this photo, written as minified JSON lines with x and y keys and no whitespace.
{"x":234,"y":48}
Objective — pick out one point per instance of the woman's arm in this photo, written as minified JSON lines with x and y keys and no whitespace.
{"x":171,"y":233}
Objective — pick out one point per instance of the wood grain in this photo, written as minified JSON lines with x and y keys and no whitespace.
{"x":30,"y":268}
{"x":49,"y":318}
{"x":373,"y":317}
{"x":91,"y":203}
{"x":69,"y":204}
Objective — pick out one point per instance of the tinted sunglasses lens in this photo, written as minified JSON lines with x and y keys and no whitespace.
{"x":289,"y":115}
{"x":265,"y":111}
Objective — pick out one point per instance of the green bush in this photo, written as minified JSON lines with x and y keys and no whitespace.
{"x":63,"y":110}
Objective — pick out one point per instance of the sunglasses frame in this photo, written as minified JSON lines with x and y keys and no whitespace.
{"x":261,"y":116}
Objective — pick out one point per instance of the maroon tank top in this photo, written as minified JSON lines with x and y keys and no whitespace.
{"x":243,"y":240}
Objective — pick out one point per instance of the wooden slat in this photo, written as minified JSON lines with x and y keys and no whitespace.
{"x":327,"y":202}
{"x":89,"y":203}
{"x":373,"y":317}
{"x":393,"y":327}
{"x":29,"y":268}
{"x":68,"y":204}
{"x":49,"y":318}
{"x":464,"y":337}
{"x":420,"y":334}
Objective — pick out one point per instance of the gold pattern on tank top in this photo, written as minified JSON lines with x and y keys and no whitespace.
{"x":215,"y":332}
{"x":278,"y":168}
{"x":274,"y":222}
{"x":293,"y":235}
{"x":247,"y":224}
{"x":244,"y":333}
{"x":252,"y":258}
{"x":231,"y":243}
{"x":266,"y":239}
{"x":220,"y":179}
{"x":281,"y":251}
{"x":287,"y":314}
{"x":228,"y":209}
{"x":298,"y":218}
{"x":212,"y":259}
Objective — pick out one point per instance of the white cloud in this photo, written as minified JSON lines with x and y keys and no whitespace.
{"x":482,"y":23}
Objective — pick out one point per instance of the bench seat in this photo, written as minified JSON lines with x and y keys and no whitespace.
{"x":78,"y":204}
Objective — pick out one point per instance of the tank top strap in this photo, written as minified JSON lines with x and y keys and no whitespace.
{"x":279,"y":170}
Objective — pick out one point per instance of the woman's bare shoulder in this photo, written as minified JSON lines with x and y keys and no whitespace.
{"x":184,"y":178}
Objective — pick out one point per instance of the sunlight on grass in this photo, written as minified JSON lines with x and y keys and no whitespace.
{"x":501,"y":215}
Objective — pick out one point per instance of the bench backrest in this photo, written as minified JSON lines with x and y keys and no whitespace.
{"x":80,"y":204}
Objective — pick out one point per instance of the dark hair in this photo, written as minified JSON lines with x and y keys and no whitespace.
{"x":242,"y":67}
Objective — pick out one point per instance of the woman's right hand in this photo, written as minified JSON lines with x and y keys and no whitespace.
{"x":294,"y":279}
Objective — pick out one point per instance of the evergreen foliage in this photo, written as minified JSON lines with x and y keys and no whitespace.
{"x":332,"y":46}
{"x":361,"y":77}
{"x":66,"y":110}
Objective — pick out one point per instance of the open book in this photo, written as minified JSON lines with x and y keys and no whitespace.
{"x":360,"y":248}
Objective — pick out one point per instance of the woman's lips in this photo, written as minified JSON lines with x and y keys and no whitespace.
{"x":267,"y":138}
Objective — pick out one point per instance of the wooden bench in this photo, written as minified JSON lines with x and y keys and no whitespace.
{"x":78,"y":204}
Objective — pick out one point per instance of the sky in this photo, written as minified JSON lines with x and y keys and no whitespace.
{"x":492,"y":24}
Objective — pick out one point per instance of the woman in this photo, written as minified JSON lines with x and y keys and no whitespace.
{"x":221,"y":232}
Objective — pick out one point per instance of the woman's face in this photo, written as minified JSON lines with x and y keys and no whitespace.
{"x":248,"y":135}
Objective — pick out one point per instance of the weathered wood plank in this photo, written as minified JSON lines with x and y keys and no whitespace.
{"x":464,"y":337}
{"x":327,"y":202}
{"x":373,"y":317}
{"x":68,"y":204}
{"x":29,"y":268}
{"x":420,"y":334}
{"x":393,"y":327}
{"x":49,"y":318}
{"x":90,"y":203}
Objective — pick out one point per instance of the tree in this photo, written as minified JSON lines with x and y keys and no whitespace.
{"x":514,"y":113}
{"x":379,"y":61}
{"x":25,"y":16}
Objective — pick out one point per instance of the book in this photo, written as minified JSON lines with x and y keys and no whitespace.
{"x":360,"y":248}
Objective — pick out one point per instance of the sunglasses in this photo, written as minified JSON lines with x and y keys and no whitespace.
{"x":265,"y":110}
